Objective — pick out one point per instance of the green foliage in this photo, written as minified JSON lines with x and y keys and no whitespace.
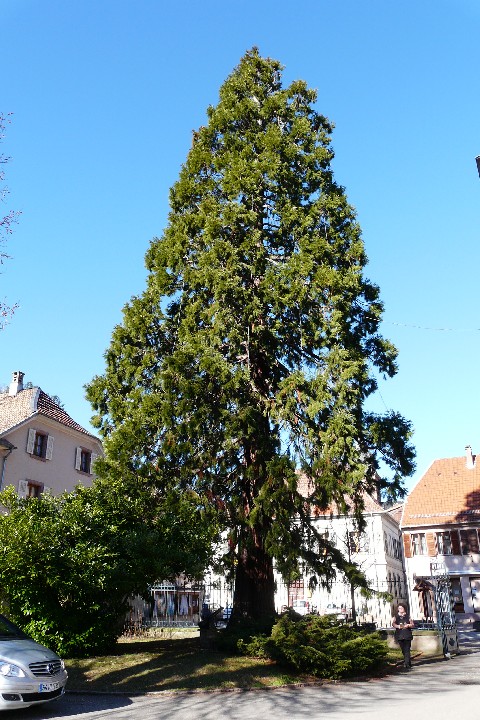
{"x":318,"y":646}
{"x":246,"y":636}
{"x":255,"y":345}
{"x":256,"y":646}
{"x":69,"y":563}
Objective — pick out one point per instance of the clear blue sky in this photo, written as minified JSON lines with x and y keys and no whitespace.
{"x":105,"y":95}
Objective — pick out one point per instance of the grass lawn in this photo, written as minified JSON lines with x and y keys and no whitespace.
{"x":174,"y":660}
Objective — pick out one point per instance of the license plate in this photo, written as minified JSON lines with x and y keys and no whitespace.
{"x":48,"y":687}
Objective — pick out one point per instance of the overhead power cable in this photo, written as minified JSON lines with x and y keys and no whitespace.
{"x":434,"y":329}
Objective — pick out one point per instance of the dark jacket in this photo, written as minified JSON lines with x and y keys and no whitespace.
{"x":403,"y":633}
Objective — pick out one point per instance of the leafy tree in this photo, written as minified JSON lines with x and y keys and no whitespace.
{"x":254,"y":348}
{"x":6,"y":221}
{"x":68,"y":564}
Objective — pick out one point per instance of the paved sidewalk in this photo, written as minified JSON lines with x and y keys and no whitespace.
{"x":469,"y":640}
{"x":436,"y":688}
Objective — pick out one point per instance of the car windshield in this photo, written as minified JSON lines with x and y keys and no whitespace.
{"x":9,"y":631}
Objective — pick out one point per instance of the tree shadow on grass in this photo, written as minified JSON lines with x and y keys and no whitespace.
{"x":169,"y":665}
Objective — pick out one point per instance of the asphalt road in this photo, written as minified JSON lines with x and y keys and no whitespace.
{"x":439,"y":689}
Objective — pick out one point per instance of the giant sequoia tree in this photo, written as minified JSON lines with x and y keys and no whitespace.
{"x":253,"y":350}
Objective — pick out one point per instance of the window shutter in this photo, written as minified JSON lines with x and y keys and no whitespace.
{"x":46,"y":489}
{"x":23,"y":486}
{"x":407,"y":546}
{"x":455,"y":542}
{"x":93,"y":457}
{"x":78,"y":458}
{"x":473,"y":541}
{"x":49,"y":453}
{"x":31,"y":440}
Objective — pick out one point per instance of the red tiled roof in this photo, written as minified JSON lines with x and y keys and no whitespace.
{"x":47,"y":406}
{"x":29,"y":402}
{"x":306,"y":488}
{"x":14,"y":410}
{"x":449,"y":492}
{"x":396,"y":512}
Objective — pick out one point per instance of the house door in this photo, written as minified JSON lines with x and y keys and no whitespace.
{"x":457,"y":596}
{"x":475,"y":588}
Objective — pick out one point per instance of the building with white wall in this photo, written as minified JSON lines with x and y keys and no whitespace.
{"x":378,"y":553}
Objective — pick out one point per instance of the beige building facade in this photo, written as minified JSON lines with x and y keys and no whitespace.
{"x":42,"y":449}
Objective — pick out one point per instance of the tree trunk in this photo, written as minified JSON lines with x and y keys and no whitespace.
{"x":354,"y":609}
{"x":254,"y":583}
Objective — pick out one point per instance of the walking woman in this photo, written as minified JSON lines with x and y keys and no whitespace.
{"x":403,"y":625}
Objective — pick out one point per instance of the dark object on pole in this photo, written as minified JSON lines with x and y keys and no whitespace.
{"x":478,"y":164}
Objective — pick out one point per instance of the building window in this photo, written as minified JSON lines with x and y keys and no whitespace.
{"x":39,"y":444}
{"x":357,"y":542}
{"x":323,"y":540}
{"x":397,"y":550}
{"x":297,"y":583}
{"x":30,"y":489}
{"x":353,"y":541}
{"x":469,"y":541}
{"x":419,"y":545}
{"x":444,"y":543}
{"x":34,"y":489}
{"x":83,"y":460}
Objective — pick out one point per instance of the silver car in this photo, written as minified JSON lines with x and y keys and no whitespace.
{"x":29,"y":673}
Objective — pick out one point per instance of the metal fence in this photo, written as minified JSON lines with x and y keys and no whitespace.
{"x":176,"y":605}
{"x":179,"y":605}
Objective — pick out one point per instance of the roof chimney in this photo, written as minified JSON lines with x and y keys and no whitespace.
{"x":470,"y":458}
{"x":16,"y":385}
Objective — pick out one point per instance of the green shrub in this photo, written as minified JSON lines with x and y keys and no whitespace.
{"x":257,"y":646}
{"x":69,"y":563}
{"x":318,"y":646}
{"x":245,"y":637}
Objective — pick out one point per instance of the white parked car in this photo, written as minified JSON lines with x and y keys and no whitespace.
{"x":29,"y":673}
{"x":301,"y":607}
{"x":339,"y":613}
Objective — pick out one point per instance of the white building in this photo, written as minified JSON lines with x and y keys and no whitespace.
{"x":378,"y":553}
